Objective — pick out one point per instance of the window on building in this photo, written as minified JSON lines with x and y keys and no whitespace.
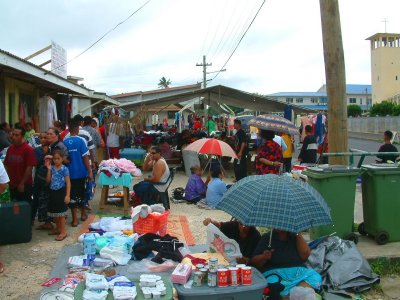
{"x":299,"y":100}
{"x":314,"y":100}
{"x":289,"y":100}
{"x":352,"y":100}
{"x":360,"y":101}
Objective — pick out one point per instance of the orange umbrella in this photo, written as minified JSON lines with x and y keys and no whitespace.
{"x":212,"y":147}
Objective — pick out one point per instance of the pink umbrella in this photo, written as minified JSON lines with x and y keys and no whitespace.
{"x":212,"y":147}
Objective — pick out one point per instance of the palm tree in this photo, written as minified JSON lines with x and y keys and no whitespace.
{"x":164,"y":83}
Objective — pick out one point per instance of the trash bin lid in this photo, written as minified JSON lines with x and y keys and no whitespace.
{"x":333,"y":169}
{"x":381,"y":167}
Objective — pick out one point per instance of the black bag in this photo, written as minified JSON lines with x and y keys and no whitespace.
{"x":15,"y":223}
{"x":178,"y":193}
{"x":275,"y":288}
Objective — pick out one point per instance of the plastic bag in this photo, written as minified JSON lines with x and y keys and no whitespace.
{"x":302,"y":293}
{"x":219,"y":242}
{"x":147,"y":266}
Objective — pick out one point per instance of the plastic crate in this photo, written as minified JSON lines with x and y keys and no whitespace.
{"x":152,"y":224}
{"x":240,"y":292}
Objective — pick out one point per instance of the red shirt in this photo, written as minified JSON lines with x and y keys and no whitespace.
{"x":18,"y":158}
{"x":63,"y":134}
{"x":270,"y":151}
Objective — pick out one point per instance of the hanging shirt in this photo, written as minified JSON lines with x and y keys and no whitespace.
{"x":154,"y":119}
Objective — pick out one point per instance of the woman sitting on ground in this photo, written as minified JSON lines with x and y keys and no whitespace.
{"x":246,"y":236}
{"x":285,"y":259}
{"x":196,"y":188}
{"x":215,"y":190}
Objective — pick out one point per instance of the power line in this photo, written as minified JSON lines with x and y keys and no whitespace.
{"x":103,"y":36}
{"x":234,"y":50}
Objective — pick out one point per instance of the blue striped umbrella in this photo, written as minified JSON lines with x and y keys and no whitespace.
{"x":278,"y":202}
{"x":274,"y":123}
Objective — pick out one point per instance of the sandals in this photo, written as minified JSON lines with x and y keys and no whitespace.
{"x":53,"y":232}
{"x":61,"y":237}
{"x":74,"y":224}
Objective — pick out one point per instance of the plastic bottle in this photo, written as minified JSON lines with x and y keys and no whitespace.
{"x":89,"y":244}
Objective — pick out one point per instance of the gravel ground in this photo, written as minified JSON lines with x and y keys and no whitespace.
{"x":28,"y":265}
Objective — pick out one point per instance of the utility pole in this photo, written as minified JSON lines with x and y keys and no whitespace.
{"x":204,"y":65}
{"x":335,"y":79}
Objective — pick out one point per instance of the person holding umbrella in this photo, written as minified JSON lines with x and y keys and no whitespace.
{"x":286,"y":206}
{"x":286,"y":260}
{"x":269,"y":156}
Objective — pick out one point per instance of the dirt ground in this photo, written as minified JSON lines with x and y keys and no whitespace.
{"x":27,"y":266}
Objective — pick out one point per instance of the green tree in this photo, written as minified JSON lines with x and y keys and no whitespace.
{"x":382,"y":109}
{"x":396,"y":110}
{"x":164,"y":83}
{"x":353,"y":110}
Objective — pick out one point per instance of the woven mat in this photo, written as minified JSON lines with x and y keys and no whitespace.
{"x":177,"y":226}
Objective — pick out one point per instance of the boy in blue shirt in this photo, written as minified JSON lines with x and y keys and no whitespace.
{"x":79,"y":170}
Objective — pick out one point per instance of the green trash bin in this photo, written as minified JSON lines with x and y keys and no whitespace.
{"x":381,"y":202}
{"x":337,"y":185}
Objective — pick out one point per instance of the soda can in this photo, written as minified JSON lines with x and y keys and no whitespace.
{"x":222,"y":279}
{"x":204,"y":272}
{"x":212,"y":279}
{"x":233,"y":276}
{"x":213,"y":265}
{"x":197,"y":278}
{"x":247,"y":276}
{"x":240,"y":266}
{"x":199,"y":266}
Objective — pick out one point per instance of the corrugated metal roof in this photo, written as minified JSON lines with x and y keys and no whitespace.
{"x":178,"y":88}
{"x":358,"y":88}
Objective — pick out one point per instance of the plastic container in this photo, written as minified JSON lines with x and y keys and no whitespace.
{"x":381,"y":202}
{"x":240,"y":292}
{"x":89,"y":244}
{"x":153,"y":223}
{"x":136,"y":155}
{"x":337,"y":185}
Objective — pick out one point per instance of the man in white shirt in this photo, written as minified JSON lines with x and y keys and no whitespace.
{"x":3,"y":185}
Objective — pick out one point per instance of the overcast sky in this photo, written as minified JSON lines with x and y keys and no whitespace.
{"x":282,"y":51}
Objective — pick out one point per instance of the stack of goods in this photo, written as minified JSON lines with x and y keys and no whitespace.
{"x":150,"y":219}
{"x":152,"y":286}
{"x":213,"y":275}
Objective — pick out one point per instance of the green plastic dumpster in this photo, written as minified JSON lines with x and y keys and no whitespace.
{"x":381,"y":202}
{"x":337,"y":184}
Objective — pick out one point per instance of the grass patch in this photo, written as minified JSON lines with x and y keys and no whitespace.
{"x":385,"y":266}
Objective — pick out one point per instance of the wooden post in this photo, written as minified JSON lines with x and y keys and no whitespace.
{"x":335,"y":79}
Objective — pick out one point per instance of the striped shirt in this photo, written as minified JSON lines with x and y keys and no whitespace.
{"x":86,"y":136}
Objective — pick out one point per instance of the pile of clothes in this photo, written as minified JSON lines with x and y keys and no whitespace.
{"x":116,"y":167}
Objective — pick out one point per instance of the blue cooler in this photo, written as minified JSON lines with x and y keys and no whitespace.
{"x":136,"y":155}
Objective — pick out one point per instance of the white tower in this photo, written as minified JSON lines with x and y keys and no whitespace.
{"x":385,"y":66}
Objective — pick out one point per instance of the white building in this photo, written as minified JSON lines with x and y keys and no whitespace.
{"x":359,"y":94}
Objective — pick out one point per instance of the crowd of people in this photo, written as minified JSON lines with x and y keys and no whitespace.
{"x":64,"y":160}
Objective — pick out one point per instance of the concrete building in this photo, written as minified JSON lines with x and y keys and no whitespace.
{"x":385,"y":67}
{"x":359,"y":94}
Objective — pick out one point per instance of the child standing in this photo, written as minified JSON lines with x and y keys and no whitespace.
{"x":59,"y":196}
